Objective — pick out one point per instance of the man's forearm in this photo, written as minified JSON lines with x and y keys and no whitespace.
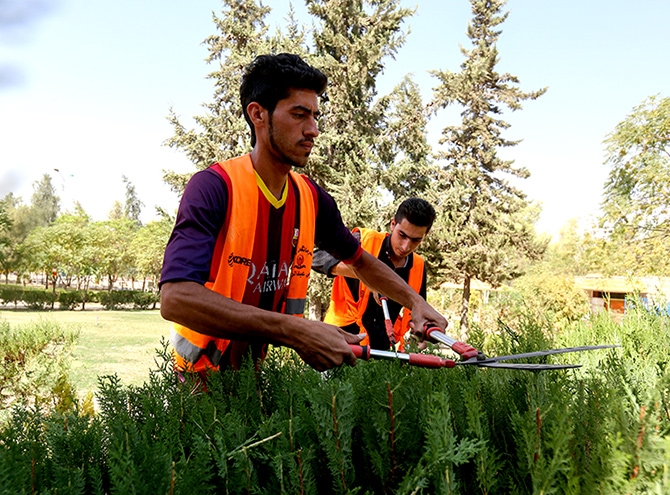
{"x":320,"y":345}
{"x":200,"y":309}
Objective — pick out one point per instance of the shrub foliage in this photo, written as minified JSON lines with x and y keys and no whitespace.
{"x":379,"y":427}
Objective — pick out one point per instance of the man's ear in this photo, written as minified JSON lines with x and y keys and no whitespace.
{"x":257,"y":114}
{"x":392,"y":224}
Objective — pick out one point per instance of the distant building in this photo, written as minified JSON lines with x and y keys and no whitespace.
{"x":612,"y":293}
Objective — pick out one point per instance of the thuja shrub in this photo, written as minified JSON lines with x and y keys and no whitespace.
{"x":34,"y":363}
{"x":379,"y":427}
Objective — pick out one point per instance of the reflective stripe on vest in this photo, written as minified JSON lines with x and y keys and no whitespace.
{"x":196,"y":351}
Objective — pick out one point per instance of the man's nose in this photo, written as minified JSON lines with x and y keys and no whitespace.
{"x":405,"y":245}
{"x":312,"y":128}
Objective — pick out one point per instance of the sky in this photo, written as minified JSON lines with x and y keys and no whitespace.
{"x":86,"y":85}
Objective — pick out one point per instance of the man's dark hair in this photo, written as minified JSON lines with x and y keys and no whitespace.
{"x":417,"y":211}
{"x":269,"y":78}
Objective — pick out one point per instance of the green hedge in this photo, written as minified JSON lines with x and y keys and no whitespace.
{"x":118,"y":299}
{"x":40,"y":299}
{"x":380,"y":427}
{"x":11,"y":295}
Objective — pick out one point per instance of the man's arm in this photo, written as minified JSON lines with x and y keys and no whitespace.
{"x":380,"y":278}
{"x":327,"y":264}
{"x":320,"y":345}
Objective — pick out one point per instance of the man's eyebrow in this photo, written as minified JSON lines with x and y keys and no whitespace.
{"x":307,"y":110}
{"x":415,"y":239}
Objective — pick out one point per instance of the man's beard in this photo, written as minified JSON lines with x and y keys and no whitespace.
{"x":280,"y":154}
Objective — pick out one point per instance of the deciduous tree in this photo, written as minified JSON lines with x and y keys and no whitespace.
{"x":637,"y":190}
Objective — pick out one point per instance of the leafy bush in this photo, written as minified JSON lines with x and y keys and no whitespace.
{"x":70,"y":299}
{"x":33,"y":363}
{"x":378,"y":427}
{"x":144,"y":300}
{"x":119,"y":299}
{"x":115,"y":299}
{"x":11,"y":295}
{"x":38,"y":299}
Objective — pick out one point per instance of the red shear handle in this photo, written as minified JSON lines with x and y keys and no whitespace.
{"x":434,"y":334}
{"x":430,"y":361}
{"x":465,"y":350}
{"x":360,"y":351}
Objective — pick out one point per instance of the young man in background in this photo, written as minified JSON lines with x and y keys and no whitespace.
{"x":351,"y":307}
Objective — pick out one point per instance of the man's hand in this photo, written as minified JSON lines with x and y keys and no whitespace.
{"x":424,"y":316}
{"x":325,"y":346}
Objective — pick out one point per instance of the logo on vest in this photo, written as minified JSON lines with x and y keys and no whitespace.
{"x":299,"y":266}
{"x":238,"y":260}
{"x":270,"y":277}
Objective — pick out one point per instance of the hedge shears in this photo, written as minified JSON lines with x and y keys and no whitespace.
{"x":388,"y":324}
{"x":471,"y":356}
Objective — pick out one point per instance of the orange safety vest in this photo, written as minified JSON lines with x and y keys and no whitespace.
{"x":195,"y":351}
{"x":345,"y":310}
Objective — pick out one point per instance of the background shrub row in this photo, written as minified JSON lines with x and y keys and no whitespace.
{"x":37,"y":299}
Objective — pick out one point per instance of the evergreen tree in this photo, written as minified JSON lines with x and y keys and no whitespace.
{"x":353,"y":39}
{"x":44,"y":202}
{"x":116,"y":212}
{"x":483,"y":230}
{"x":356,"y":146}
{"x":133,"y":206}
{"x":363,"y":141}
{"x":403,"y":148}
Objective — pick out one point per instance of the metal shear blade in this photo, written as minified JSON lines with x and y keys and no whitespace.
{"x":492,"y":362}
{"x":530,"y":366}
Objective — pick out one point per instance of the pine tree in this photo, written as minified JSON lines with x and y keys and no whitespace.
{"x":353,"y":40}
{"x":356,"y":146}
{"x":133,"y":206}
{"x":358,"y":149}
{"x":45,"y":205}
{"x":483,"y":230}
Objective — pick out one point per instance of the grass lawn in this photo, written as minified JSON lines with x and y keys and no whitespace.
{"x":110,"y":342}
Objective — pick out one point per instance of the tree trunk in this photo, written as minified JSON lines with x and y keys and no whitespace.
{"x":53,"y":291}
{"x":465,"y":306}
{"x":83,"y":299}
{"x":315,"y":309}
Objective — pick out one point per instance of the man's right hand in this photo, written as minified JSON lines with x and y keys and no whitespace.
{"x":325,"y":346}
